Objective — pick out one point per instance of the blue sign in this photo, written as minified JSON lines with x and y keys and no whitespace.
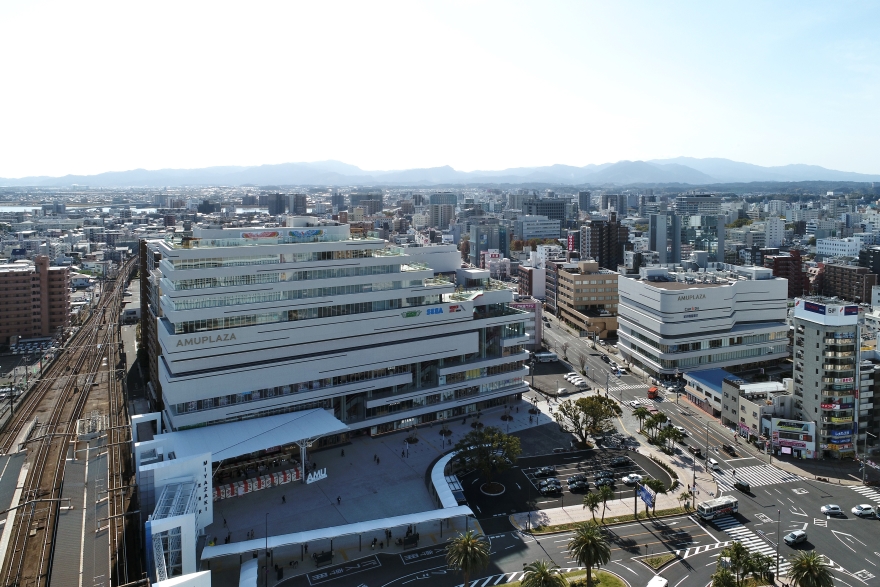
{"x":434,"y":311}
{"x":841,"y":432}
{"x":813,"y":307}
{"x":647,"y":495}
{"x":840,"y":440}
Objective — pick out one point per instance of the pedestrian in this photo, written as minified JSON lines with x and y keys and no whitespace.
{"x":307,"y":548}
{"x":343,"y":453}
{"x":283,"y":499}
{"x":530,"y":419}
{"x":338,"y":500}
{"x":402,"y":453}
{"x":517,"y":409}
{"x":377,"y":460}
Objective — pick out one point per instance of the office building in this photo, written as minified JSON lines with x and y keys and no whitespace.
{"x":443,"y":198}
{"x":552,"y":208}
{"x":483,"y":238}
{"x":440,"y":215}
{"x":615,"y":203}
{"x":584,"y":201}
{"x":838,"y":247}
{"x":676,"y":322}
{"x":826,"y":372}
{"x":34,"y":300}
{"x":526,"y":228}
{"x":265,"y":321}
{"x":587,"y":298}
{"x":774,"y":231}
{"x":298,"y":204}
{"x":338,"y":202}
{"x":277,"y":204}
{"x":694,"y":204}
{"x":604,"y":241}
{"x":372,"y":202}
{"x":848,"y":282}
{"x":664,"y":237}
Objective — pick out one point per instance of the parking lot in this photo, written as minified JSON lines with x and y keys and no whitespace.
{"x":524,"y":481}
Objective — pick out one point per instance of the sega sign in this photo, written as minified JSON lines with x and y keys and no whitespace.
{"x":434,"y":311}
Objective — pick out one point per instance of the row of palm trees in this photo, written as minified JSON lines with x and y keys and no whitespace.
{"x":469,"y":553}
{"x":654,"y":426}
{"x":736,"y":564}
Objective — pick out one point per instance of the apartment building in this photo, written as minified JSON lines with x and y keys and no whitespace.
{"x":587,"y":298}
{"x":790,"y":267}
{"x":34,"y":300}
{"x":604,"y":241}
{"x":265,"y":321}
{"x":848,"y":282}
{"x":826,"y":372}
{"x":677,"y":322}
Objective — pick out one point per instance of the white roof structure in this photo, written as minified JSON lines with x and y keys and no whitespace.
{"x":236,"y":548}
{"x":227,"y":441}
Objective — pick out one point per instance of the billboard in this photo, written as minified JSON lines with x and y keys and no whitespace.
{"x":647,"y":495}
{"x":814,"y":307}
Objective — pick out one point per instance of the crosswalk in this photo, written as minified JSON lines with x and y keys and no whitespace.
{"x":695,"y":550}
{"x":756,"y":476}
{"x":512,"y":577}
{"x":868,"y":492}
{"x":619,"y":385}
{"x":734,"y":528}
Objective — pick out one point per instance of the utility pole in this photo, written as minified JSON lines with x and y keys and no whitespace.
{"x":606,"y":384}
{"x":865,"y":457}
{"x":778,"y":516}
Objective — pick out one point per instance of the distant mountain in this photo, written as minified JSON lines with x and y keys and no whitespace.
{"x":727,"y":171}
{"x":680,"y":170}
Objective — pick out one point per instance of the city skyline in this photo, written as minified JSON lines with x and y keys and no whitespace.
{"x":111,"y":87}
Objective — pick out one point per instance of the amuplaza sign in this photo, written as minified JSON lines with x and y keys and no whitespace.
{"x":686,"y":297}
{"x":200,"y":340}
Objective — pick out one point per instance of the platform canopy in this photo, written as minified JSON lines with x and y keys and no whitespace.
{"x":233,"y":439}
{"x":368,"y":526}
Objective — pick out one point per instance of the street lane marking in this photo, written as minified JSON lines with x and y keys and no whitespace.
{"x":627,"y":568}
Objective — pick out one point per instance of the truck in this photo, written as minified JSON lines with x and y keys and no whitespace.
{"x":653,"y":393}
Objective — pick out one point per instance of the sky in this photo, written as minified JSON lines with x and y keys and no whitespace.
{"x":87,"y":87}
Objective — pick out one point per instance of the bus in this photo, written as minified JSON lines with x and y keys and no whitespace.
{"x":714,"y":508}
{"x":546,"y":357}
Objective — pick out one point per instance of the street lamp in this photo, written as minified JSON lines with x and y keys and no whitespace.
{"x":606,"y":384}
{"x":865,"y":457}
{"x":778,"y":516}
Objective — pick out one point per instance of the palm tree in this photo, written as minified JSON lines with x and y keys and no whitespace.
{"x":685,"y":496}
{"x":722,"y":578}
{"x":650,"y":425}
{"x":673,"y":435}
{"x":605,"y":493}
{"x":809,"y":569}
{"x":592,"y":501}
{"x":468,"y":552}
{"x":543,"y":574}
{"x":589,"y":548}
{"x":739,"y":560}
{"x":660,"y":419}
{"x":760,"y":566}
{"x":642,"y":414}
{"x":658,"y":488}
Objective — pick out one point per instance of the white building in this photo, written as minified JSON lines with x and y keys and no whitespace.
{"x":672,"y":322}
{"x":838,"y":247}
{"x":774,"y":231}
{"x":264,"y":321}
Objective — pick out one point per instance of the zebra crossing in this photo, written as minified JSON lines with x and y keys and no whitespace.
{"x":695,"y":550}
{"x":511,"y":577}
{"x":756,"y":476}
{"x":734,"y":528}
{"x":868,"y":492}
{"x":628,"y":386}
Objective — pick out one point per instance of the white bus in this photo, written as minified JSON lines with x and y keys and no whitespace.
{"x":546,"y":357}
{"x":726,"y":504}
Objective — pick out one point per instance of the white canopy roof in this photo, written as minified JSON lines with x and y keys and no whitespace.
{"x":247,"y":546}
{"x":227,"y":441}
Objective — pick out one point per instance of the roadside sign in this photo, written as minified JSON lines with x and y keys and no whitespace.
{"x":647,"y":495}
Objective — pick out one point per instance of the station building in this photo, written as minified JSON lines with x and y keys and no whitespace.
{"x":256,"y":322}
{"x":671,"y":322}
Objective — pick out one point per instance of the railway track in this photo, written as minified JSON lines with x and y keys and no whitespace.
{"x":58,"y":400}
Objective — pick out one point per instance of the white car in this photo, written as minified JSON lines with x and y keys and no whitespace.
{"x":632,"y":479}
{"x":831,"y":510}
{"x":682,"y":430}
{"x":864,"y":511}
{"x":572,"y":374}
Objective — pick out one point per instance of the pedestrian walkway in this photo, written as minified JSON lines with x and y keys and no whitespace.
{"x":629,"y":386}
{"x":575,"y":514}
{"x":755,"y":476}
{"x":868,"y":492}
{"x":734,"y":528}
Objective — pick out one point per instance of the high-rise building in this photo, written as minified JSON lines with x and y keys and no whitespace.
{"x":483,"y":238}
{"x":338,"y":202}
{"x":372,"y":202}
{"x":552,"y":208}
{"x":616,"y":202}
{"x":584,"y":201}
{"x":440,"y":215}
{"x":298,"y":204}
{"x":319,"y":319}
{"x":664,"y":236}
{"x":587,"y":298}
{"x":277,"y":204}
{"x":604,"y":241}
{"x":696,"y":204}
{"x":826,"y":372}
{"x":443,"y":198}
{"x":789,"y":266}
{"x":848,"y":282}
{"x":526,"y":228}
{"x":36,"y":299}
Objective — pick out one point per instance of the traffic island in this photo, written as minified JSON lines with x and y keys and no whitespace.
{"x":656,"y":562}
{"x":492,"y":489}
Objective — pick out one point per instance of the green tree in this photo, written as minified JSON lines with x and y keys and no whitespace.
{"x":671,"y":435}
{"x":656,"y":421}
{"x":739,"y":223}
{"x":587,"y":415}
{"x":468,"y":553}
{"x":812,"y":241}
{"x":760,"y":566}
{"x":686,"y":496}
{"x":589,"y":548}
{"x":722,"y":578}
{"x":809,"y":569}
{"x":605,"y":494}
{"x":739,"y":561}
{"x":490,"y":450}
{"x":657,"y":486}
{"x":543,"y":574}
{"x":591,"y":502}
{"x":642,"y":414}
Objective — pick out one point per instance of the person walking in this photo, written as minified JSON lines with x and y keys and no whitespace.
{"x":283,"y":499}
{"x":377,"y":460}
{"x":338,"y":500}
{"x":343,"y":453}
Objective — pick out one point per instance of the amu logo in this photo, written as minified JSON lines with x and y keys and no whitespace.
{"x":434,"y":311}
{"x":203,"y":339}
{"x":316,"y":476}
{"x":692,"y":297}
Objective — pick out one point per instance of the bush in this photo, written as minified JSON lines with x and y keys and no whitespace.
{"x":666,"y":468}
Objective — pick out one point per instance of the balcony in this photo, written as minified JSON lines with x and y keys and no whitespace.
{"x":841,"y":354}
{"x":832,"y":367}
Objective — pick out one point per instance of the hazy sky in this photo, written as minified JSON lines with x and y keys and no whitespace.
{"x":87,"y":87}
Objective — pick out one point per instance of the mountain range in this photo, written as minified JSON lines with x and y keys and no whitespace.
{"x":680,"y":170}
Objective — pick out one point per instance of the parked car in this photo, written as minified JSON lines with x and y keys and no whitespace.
{"x":578,"y":477}
{"x":605,"y":474}
{"x":551,"y":490}
{"x":575,"y":486}
{"x":620,"y":462}
{"x":742,"y":485}
{"x":549,"y":482}
{"x":572,"y":374}
{"x":864,"y":511}
{"x":831,"y":510}
{"x":545,"y":472}
{"x":606,"y":359}
{"x":604,"y":481}
{"x":795,"y":537}
{"x":632,"y":479}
